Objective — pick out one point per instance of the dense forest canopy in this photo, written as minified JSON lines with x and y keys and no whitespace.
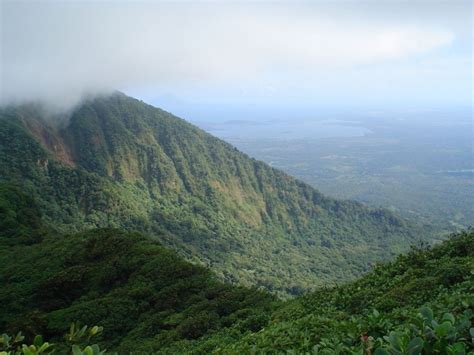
{"x":116,"y":162}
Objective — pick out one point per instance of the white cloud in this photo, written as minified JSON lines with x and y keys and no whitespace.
{"x":57,"y":51}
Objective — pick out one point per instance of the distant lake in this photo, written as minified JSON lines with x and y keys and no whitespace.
{"x":459,"y":172}
{"x":280,"y":129}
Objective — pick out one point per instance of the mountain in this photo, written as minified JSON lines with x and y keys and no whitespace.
{"x":150,"y":300}
{"x":117,"y":162}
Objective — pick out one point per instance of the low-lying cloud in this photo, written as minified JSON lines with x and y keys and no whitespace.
{"x":58,"y":51}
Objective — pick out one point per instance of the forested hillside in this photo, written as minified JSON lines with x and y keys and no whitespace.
{"x":116,"y":162}
{"x":137,"y":290}
{"x":149,"y":300}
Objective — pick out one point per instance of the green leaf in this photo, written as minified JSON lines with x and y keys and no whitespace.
{"x":427,"y":314}
{"x":96,"y":349}
{"x":28,"y":350}
{"x":43,"y":347}
{"x":443,"y":329}
{"x":458,"y":348}
{"x":415,"y":346}
{"x":396,"y":340}
{"x":448,"y":317}
{"x":19,"y":337}
{"x":5,"y":339}
{"x":76,"y":350}
{"x":381,"y":351}
{"x":81,"y":332}
{"x":38,"y":341}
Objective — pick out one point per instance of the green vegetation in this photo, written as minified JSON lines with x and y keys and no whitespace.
{"x":422,"y":302}
{"x":149,"y":300}
{"x":140,"y":292}
{"x":75,"y":342}
{"x":116,"y":162}
{"x":150,"y":181}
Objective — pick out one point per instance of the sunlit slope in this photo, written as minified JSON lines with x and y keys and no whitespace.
{"x":118,"y":162}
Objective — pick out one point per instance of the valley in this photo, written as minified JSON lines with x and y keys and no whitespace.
{"x":417,"y":164}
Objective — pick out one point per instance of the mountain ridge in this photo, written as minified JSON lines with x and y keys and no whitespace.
{"x":118,"y":162}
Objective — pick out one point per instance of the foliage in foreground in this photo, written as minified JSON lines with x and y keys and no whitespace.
{"x":425,"y":335}
{"x":73,"y":343}
{"x":422,"y":302}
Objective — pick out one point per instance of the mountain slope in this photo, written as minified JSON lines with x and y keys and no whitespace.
{"x":117,"y":162}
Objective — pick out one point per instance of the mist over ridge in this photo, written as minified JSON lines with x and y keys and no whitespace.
{"x":243,"y":53}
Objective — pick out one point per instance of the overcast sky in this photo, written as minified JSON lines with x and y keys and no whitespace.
{"x":198,"y":56}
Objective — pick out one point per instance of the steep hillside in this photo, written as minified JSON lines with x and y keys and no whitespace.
{"x":117,"y":162}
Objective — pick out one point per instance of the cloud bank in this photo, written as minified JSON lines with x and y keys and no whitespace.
{"x":58,"y":51}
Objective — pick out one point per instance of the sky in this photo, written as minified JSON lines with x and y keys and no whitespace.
{"x":220,"y":60}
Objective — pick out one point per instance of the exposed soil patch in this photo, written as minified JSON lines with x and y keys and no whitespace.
{"x":51,"y":139}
